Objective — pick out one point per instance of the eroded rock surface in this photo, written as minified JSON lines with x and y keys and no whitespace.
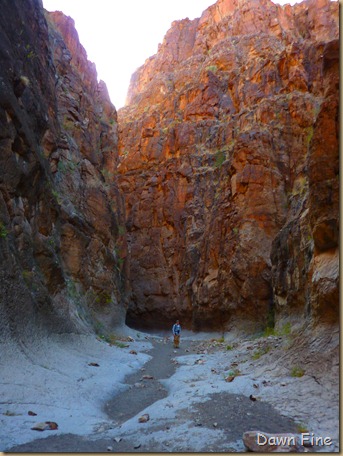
{"x":229,"y":163}
{"x":61,"y":216}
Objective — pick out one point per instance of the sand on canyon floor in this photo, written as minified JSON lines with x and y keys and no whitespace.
{"x":201,"y":397}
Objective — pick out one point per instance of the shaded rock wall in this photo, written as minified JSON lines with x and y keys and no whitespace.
{"x":62,"y":239}
{"x":229,"y":163}
{"x":305,"y":253}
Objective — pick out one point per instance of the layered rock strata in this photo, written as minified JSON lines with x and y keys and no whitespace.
{"x":62,"y":239}
{"x":229,"y":163}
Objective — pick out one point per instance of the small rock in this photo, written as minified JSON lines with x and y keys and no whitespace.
{"x":130,"y":339}
{"x":252,"y":398}
{"x":93,"y":364}
{"x":144,"y":418}
{"x":46,"y":425}
{"x":259,"y":441}
{"x":52,"y":425}
{"x":117,"y":439}
{"x":230,"y":378}
{"x":255,"y":385}
{"x":40,"y":427}
{"x":147,"y":377}
{"x":133,"y":352}
{"x":199,"y":361}
{"x":138,"y":445}
{"x":109,"y":448}
{"x":215,"y":424}
{"x":31,"y":413}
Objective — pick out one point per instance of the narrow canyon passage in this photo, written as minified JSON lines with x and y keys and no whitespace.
{"x":211,"y":197}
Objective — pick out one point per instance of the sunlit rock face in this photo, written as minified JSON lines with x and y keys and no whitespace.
{"x":61,"y":243}
{"x":229,"y":166}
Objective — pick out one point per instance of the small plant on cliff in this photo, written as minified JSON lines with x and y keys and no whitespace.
{"x":27,"y":276}
{"x":285,"y":330}
{"x":233,"y":373}
{"x":121,"y":230}
{"x":309,"y":135}
{"x":269,"y":331}
{"x":3,"y":230}
{"x":302,"y":428}
{"x":297,"y":371}
{"x":56,"y":196}
{"x":30,"y":53}
{"x":107,"y":174}
{"x":103,"y":299}
{"x":212,"y":68}
{"x":64,"y":167}
{"x":261,"y":352}
{"x":220,"y":157}
{"x":67,"y":123}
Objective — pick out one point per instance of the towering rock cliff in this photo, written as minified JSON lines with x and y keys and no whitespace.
{"x":62,"y":239}
{"x":229,"y":165}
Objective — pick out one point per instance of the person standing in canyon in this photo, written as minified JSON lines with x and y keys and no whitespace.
{"x":176,"y":333}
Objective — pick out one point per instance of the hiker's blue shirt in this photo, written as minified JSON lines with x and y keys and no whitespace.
{"x":176,"y":329}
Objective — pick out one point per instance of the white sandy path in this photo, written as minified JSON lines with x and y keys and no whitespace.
{"x":56,"y":382}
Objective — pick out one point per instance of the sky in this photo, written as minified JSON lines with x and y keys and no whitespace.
{"x":119,"y":35}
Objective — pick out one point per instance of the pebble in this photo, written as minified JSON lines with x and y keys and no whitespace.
{"x":144,"y":418}
{"x":109,"y":448}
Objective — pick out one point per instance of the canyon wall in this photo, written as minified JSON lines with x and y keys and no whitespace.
{"x":213,"y":198}
{"x":229,"y":165}
{"x":62,"y":235}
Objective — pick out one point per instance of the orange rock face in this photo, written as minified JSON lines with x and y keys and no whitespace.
{"x":228,"y":162}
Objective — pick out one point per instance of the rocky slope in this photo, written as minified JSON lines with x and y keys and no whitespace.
{"x":62,"y":238}
{"x":229,"y":165}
